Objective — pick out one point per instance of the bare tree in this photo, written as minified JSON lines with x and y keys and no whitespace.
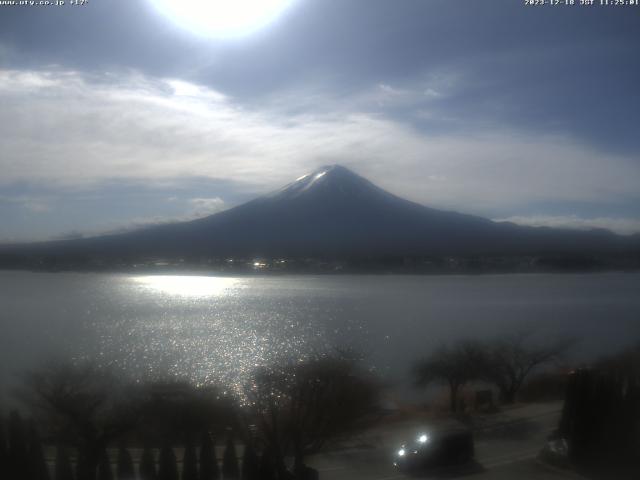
{"x":508,"y":362}
{"x":299,"y":409}
{"x":179,"y":410}
{"x":453,"y":365}
{"x":80,"y":405}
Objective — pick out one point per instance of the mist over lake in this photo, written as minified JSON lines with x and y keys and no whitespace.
{"x":212,"y":328}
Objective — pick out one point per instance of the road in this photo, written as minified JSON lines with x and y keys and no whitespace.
{"x":506,"y":448}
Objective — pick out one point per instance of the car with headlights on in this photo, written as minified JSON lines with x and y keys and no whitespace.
{"x":442,"y":446}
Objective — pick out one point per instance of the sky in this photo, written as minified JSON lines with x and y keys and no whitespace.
{"x":120,"y":113}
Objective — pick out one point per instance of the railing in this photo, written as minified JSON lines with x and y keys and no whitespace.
{"x":23,"y":457}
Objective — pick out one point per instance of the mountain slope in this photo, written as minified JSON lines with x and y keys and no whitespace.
{"x":334,"y":212}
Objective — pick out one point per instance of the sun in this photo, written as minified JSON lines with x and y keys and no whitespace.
{"x":222,"y":18}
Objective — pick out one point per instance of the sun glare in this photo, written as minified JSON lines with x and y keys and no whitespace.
{"x":222,"y":18}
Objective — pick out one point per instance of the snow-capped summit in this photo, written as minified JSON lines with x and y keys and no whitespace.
{"x":330,"y":180}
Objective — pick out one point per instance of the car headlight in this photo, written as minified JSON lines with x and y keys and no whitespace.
{"x":401,"y":452}
{"x":424,"y":438}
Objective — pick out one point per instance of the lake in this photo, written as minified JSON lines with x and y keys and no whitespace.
{"x":218,"y":328}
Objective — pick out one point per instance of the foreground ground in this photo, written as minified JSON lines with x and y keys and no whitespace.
{"x":507,"y":445}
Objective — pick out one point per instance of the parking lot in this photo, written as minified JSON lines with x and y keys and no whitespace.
{"x":506,"y":446}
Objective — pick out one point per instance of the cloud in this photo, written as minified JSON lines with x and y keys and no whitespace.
{"x":623,"y":226}
{"x":75,"y":130}
{"x":33,"y":204}
{"x":207,"y":206}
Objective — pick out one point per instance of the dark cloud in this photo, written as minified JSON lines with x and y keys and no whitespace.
{"x":550,"y":67}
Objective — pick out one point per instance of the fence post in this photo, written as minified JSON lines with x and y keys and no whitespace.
{"x":250,"y":463}
{"x":18,"y":452}
{"x":168,"y":469}
{"x":147,"y":465}
{"x":37,"y":465}
{"x":104,"y":466}
{"x":208,"y":461}
{"x":63,"y":470}
{"x":125,"y":469}
{"x":230,"y":468}
{"x":189,"y":462}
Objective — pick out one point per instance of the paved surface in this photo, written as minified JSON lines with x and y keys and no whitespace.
{"x":507,"y":445}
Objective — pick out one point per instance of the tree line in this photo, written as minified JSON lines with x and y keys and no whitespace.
{"x":504,"y":362}
{"x":601,"y":416}
{"x":284,"y":412}
{"x":22,"y":457}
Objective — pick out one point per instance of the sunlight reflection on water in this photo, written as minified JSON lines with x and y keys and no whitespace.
{"x":187,"y":286}
{"x":202,"y":329}
{"x":220,"y":328}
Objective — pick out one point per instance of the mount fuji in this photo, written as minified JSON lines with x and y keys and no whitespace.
{"x":333,"y":212}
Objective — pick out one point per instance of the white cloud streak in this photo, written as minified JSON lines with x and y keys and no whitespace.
{"x":31,"y":203}
{"x":206,"y":206}
{"x":623,"y":226}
